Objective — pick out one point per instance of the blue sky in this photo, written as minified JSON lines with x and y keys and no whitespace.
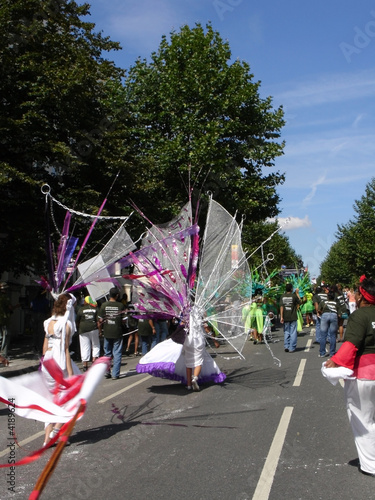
{"x":314,"y":58}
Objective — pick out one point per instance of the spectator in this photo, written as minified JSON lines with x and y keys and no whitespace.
{"x":320,"y":295}
{"x":147,"y":331}
{"x":289,"y":304}
{"x":111,"y":316}
{"x":351,"y":300}
{"x":6,"y":310}
{"x":343,"y":312}
{"x":87,"y":324}
{"x":131,"y":326}
{"x":328,"y":311}
{"x":211,"y":334}
{"x":161,"y":327}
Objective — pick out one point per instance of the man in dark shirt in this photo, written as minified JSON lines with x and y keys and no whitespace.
{"x":289,"y":303}
{"x":111,"y":316}
{"x":317,"y":298}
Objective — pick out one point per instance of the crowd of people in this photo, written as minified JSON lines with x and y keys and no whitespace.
{"x":103,"y":327}
{"x":324,"y":307}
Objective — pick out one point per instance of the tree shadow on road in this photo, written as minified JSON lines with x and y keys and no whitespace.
{"x":255,"y":379}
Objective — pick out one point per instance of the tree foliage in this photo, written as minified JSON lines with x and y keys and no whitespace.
{"x":52,"y":86}
{"x":353,"y":254}
{"x":188,"y":122}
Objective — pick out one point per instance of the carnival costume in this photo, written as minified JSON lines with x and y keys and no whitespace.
{"x":49,"y":395}
{"x":170,"y":358}
{"x":357,"y":356}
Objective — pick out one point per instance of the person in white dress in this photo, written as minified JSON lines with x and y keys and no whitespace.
{"x":58,"y":336}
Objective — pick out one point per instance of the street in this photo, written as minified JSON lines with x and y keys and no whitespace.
{"x":268,"y":432}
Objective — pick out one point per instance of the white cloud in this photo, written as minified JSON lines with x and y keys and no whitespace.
{"x":314,"y":188}
{"x":326,"y":89}
{"x":290,"y":223}
{"x":313,"y":144}
{"x":357,"y":120}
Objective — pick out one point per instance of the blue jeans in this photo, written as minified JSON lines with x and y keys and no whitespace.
{"x":113,"y":347}
{"x":328,"y":325}
{"x":161,"y":328}
{"x":145,"y":341}
{"x":317,"y":329}
{"x":290,"y":335}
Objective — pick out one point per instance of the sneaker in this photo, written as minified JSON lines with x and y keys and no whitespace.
{"x":286,"y":350}
{"x":188,"y":387}
{"x":323,"y":355}
{"x":107,"y":375}
{"x":194,"y":383}
{"x":115,"y":378}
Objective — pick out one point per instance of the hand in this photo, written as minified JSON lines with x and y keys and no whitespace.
{"x":330,"y":364}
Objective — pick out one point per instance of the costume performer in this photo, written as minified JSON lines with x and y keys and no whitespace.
{"x":53,"y":394}
{"x":183,"y":358}
{"x":357,"y":354}
{"x":59,"y":331}
{"x":307,"y":308}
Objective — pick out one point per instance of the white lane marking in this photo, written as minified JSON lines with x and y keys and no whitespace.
{"x":23,"y":442}
{"x":308,"y":345}
{"x":297,"y":380}
{"x":264,"y":485}
{"x":124,"y":389}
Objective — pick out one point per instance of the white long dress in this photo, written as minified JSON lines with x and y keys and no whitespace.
{"x":49,"y":395}
{"x":57,"y":349}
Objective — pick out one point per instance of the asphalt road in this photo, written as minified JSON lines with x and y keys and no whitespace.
{"x":269,"y":432}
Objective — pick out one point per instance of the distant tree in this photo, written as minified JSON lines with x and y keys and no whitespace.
{"x":336,"y":267}
{"x":53,"y":120}
{"x":277,"y":247}
{"x":354,"y":252}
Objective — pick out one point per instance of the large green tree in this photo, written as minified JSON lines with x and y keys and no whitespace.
{"x":54,"y":119}
{"x":200,"y":124}
{"x":353,"y":254}
{"x":189,"y":121}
